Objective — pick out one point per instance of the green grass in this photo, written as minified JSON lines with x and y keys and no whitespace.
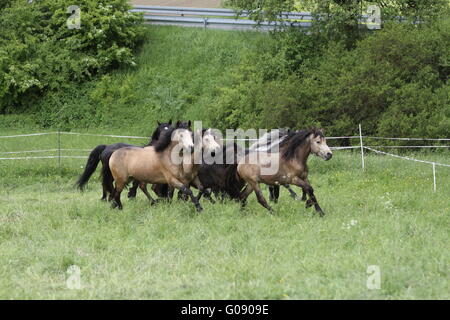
{"x":171,"y":252}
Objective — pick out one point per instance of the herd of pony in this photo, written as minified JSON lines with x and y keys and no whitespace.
{"x":236,"y":179}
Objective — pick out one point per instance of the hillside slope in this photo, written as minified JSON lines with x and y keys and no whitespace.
{"x":176,"y":76}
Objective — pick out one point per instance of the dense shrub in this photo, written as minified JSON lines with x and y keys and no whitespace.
{"x":39,"y":53}
{"x":394,"y":82}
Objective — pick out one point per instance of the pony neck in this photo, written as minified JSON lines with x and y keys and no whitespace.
{"x":197,"y":155}
{"x":303,"y":153}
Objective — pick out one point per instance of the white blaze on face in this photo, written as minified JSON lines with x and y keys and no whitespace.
{"x":185,"y":144}
{"x":207,"y":148}
{"x":184,"y":138}
{"x":209,"y":142}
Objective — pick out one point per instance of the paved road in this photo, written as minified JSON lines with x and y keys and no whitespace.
{"x":181,"y":3}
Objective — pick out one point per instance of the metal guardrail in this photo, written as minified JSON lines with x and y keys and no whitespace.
{"x":217,"y":18}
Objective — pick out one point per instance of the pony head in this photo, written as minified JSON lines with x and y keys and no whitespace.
{"x":319,"y":145}
{"x":209,"y":142}
{"x":161,"y":128}
{"x":183,"y":135}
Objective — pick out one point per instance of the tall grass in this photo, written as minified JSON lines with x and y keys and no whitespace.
{"x":170,"y":251}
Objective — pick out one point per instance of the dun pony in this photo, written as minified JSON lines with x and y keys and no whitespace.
{"x":292,"y":166}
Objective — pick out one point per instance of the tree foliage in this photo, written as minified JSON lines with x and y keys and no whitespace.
{"x":395,"y":81}
{"x":38,"y":52}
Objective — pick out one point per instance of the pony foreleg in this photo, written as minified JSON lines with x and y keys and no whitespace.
{"x":177,"y":184}
{"x":310,"y":191}
{"x":303,"y":195}
{"x":202,"y":191}
{"x":292,"y":192}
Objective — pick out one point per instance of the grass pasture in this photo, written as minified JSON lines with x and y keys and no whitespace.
{"x":171,"y":252}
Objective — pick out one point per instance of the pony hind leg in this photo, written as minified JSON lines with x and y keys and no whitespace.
{"x":105,"y":194}
{"x":274,"y":193}
{"x":143,"y":187}
{"x":133,"y":190}
{"x":312,"y":198}
{"x":116,"y":203}
{"x":244,"y":195}
{"x":260,"y":197}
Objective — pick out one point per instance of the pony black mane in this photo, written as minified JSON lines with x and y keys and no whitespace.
{"x":296,"y":139}
{"x":164,"y":140}
{"x":154,"y":137}
{"x":165,"y":137}
{"x":157,"y":132}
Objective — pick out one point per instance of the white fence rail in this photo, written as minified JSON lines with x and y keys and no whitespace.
{"x":11,"y":155}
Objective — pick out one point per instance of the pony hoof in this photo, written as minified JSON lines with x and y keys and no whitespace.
{"x":199,"y":209}
{"x":308,"y":204}
{"x":114,"y":205}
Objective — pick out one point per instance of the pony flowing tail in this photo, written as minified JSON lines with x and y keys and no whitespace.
{"x":91,"y":166}
{"x":107,"y":177}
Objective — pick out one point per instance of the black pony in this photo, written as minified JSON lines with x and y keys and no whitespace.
{"x":103,"y":153}
{"x":222,"y":178}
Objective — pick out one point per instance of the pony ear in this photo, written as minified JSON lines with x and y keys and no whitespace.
{"x":322,"y":130}
{"x":178,"y":124}
{"x":170,"y":121}
{"x":159,"y":123}
{"x":189,"y":124}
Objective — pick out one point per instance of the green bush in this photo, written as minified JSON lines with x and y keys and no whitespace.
{"x":40,"y":53}
{"x":395,"y":82}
